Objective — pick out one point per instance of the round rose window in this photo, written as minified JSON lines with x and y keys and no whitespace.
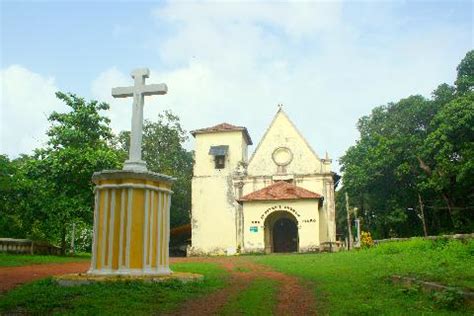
{"x":282,"y":156}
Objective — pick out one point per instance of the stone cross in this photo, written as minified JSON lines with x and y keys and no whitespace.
{"x":138,"y":91}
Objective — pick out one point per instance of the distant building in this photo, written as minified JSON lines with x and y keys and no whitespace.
{"x":281,"y":200}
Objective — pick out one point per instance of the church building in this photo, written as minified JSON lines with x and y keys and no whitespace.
{"x":279,"y":200}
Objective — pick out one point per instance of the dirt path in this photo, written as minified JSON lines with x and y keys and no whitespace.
{"x":13,"y":276}
{"x":293,"y":298}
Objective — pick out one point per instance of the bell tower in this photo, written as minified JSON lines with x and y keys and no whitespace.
{"x":219,"y":151}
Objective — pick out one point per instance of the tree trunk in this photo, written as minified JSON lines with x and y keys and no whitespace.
{"x":446,"y":199}
{"x":73,"y":237}
{"x":349,"y":230}
{"x":450,"y":207}
{"x":63,"y":240}
{"x":424,"y":166}
{"x":422,"y":215}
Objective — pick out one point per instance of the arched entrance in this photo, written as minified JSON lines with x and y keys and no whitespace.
{"x":281,"y":232}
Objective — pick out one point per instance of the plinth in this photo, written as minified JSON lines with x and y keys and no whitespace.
{"x":131,"y":223}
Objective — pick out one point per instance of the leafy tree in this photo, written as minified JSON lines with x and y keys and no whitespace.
{"x":465,"y":78}
{"x":163,"y":152}
{"x":412,"y":167}
{"x":79,"y":144}
{"x":10,"y":220}
{"x":451,"y":146}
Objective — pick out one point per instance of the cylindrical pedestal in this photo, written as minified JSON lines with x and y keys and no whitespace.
{"x":131,"y":223}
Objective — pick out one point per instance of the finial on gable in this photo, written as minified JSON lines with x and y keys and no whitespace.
{"x":327,"y":155}
{"x":280,"y":107}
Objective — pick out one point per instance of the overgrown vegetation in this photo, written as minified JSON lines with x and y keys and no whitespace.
{"x":412,"y":170}
{"x":358,"y":282}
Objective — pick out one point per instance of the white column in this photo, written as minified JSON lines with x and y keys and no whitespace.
{"x":121,"y":233}
{"x":105,"y":210}
{"x":129,"y":228}
{"x":110,"y":249}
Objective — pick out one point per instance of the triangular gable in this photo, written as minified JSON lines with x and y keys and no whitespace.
{"x":274,"y":137}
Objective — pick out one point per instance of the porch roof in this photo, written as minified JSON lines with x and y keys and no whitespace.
{"x":280,"y":190}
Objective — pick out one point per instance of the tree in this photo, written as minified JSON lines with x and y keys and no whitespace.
{"x":411,"y":169}
{"x":78,"y":146}
{"x":465,"y":78}
{"x":451,"y":146}
{"x":163,"y":152}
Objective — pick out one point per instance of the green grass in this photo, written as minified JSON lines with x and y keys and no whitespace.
{"x":258,"y":299}
{"x":345,"y":283}
{"x":112,"y":298}
{"x":14,"y":260}
{"x":356,"y":283}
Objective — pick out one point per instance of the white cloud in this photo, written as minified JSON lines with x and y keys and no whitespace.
{"x":328,"y":62}
{"x":27,"y":99}
{"x":235,"y":62}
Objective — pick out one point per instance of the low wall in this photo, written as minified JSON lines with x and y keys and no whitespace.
{"x":456,"y":236}
{"x":27,"y":246}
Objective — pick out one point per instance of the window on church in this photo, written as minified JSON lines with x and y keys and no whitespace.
{"x":219,"y":153}
{"x":220,"y":162}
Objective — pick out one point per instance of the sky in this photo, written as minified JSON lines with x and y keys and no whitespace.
{"x":328,"y":63}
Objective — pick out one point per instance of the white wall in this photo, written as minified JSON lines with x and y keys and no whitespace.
{"x":305,"y":212}
{"x":213,"y":196}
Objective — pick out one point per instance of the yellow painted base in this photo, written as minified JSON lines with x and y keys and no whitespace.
{"x":131,"y":223}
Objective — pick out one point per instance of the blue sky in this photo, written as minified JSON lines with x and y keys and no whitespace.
{"x":328,"y":62}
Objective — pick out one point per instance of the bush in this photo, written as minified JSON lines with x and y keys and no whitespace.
{"x":366,"y":240}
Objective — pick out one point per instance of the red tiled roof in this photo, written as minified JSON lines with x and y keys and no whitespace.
{"x":223,"y":127}
{"x":280,"y":190}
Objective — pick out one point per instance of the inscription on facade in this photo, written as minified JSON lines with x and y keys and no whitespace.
{"x":280,"y":208}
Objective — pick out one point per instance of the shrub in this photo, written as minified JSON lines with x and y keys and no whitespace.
{"x":366,"y":240}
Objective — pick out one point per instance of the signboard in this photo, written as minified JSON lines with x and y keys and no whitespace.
{"x":254,"y":229}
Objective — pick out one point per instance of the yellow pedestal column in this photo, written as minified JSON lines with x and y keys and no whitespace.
{"x":131,"y":223}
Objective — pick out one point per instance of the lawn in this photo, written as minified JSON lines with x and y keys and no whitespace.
{"x":357,"y":283}
{"x":113,"y":298}
{"x":345,"y":283}
{"x":258,"y":299}
{"x":14,"y":260}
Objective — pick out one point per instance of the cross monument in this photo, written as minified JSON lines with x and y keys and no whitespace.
{"x":139,"y":90}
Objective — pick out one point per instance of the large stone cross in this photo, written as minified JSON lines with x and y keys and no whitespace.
{"x":138,"y":91}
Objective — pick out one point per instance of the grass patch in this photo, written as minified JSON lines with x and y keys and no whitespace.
{"x":112,"y":298}
{"x":16,"y":260}
{"x":356,"y":282}
{"x":258,"y":299}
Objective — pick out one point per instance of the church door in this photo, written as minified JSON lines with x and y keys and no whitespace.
{"x":285,"y":236}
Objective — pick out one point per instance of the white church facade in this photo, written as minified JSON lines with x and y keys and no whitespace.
{"x":279,"y":200}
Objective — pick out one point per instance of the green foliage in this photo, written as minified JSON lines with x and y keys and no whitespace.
{"x":465,"y":78}
{"x":414,"y":162}
{"x":43,"y":195}
{"x":451,"y":299}
{"x":11,"y":187}
{"x":50,"y":190}
{"x":163,"y":152}
{"x":111,"y":298}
